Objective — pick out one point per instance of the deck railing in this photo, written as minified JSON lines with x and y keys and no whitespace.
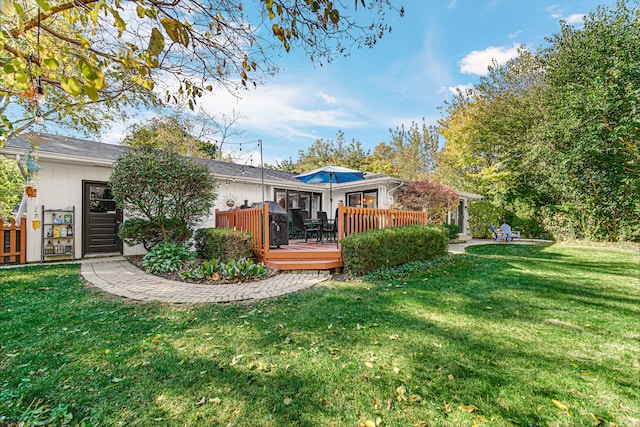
{"x":352,"y":220}
{"x":249,"y":220}
{"x":13,"y":242}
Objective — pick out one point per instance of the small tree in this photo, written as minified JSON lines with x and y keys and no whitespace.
{"x":11,"y":190}
{"x":165,"y":196}
{"x":437,"y":199}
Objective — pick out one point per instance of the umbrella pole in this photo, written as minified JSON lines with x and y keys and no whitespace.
{"x":330,"y":194}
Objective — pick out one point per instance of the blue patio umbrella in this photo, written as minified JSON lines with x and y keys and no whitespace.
{"x":331,"y":174}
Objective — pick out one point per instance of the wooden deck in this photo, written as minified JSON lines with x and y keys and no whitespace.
{"x":298,"y":255}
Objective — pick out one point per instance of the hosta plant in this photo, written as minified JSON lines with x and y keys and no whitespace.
{"x":214,"y":270}
{"x":166,"y":258}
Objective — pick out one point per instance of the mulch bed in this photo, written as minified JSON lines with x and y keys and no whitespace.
{"x":137,"y":261}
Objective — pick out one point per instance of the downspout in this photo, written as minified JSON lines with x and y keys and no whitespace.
{"x":393,"y":190}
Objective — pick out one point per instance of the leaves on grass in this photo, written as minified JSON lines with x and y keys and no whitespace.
{"x":560,"y":405}
{"x":236,"y":359}
{"x":468,"y":407}
{"x":402,"y":390}
{"x":287,"y":401}
{"x":446,"y":407}
{"x":596,"y":421}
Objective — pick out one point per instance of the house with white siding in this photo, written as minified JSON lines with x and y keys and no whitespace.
{"x":72,"y":184}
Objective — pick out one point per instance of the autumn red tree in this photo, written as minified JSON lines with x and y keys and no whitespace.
{"x":437,"y":199}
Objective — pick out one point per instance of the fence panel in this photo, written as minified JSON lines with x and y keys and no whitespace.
{"x":249,"y":220}
{"x":356,"y":220}
{"x":13,"y":242}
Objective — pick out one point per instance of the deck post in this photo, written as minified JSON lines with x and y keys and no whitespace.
{"x":265,"y":234}
{"x":340,"y":219}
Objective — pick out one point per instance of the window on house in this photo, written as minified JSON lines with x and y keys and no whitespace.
{"x":363,"y":199}
{"x":310,"y":202}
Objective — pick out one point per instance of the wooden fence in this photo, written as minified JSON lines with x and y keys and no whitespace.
{"x":350,"y":221}
{"x":13,"y":242}
{"x":249,"y":220}
{"x":356,"y":220}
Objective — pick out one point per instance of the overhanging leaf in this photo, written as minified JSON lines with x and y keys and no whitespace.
{"x":50,"y":63}
{"x":71,"y":86}
{"x":156,"y":43}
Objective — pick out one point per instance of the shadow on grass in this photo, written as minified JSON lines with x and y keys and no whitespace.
{"x":476,"y":332}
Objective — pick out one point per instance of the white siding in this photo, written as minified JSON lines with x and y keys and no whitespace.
{"x":60,"y":187}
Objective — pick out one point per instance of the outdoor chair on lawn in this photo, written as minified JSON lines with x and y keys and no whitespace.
{"x":299,"y":225}
{"x":497,"y":234}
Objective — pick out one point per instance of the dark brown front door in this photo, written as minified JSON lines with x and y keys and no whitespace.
{"x":101,"y":220}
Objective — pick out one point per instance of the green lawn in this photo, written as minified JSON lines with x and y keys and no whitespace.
{"x":505,"y":335}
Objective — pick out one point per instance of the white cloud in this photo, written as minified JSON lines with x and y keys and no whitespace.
{"x":516,"y":34}
{"x":285,"y":110}
{"x":454,"y":90}
{"x":331,"y":100}
{"x":452,"y":4}
{"x":559,"y":13}
{"x":478,"y":61}
{"x":555,"y":11}
{"x":118,"y":130}
{"x":575,"y":18}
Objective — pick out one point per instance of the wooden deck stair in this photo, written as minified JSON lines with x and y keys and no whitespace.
{"x":305,"y":256}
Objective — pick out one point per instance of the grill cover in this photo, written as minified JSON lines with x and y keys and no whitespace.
{"x":278,"y":224}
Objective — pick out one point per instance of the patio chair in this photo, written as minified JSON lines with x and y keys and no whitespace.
{"x":497,"y":235}
{"x":328,"y":227}
{"x":300,"y":226}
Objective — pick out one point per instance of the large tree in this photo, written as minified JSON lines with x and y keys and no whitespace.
{"x":183,"y":133}
{"x":490,"y":131}
{"x":328,"y":152}
{"x":592,"y":121}
{"x":558,"y":127}
{"x":97,"y":51}
{"x":413,"y":150}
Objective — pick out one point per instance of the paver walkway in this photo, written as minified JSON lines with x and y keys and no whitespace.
{"x":119,"y":277}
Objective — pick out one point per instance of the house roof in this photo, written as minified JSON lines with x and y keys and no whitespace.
{"x":75,"y":150}
{"x":68,"y":149}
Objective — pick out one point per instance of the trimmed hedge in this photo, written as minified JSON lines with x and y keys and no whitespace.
{"x":390,"y":247}
{"x":223,"y":244}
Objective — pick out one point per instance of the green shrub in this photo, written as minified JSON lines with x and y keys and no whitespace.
{"x":452,"y":231}
{"x":244,"y":268}
{"x":171,"y":193}
{"x":150,"y":233}
{"x":223,"y":243}
{"x":390,"y":247}
{"x":166,"y":258}
{"x":481,"y":214}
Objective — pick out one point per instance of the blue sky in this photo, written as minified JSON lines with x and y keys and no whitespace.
{"x":437,"y":47}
